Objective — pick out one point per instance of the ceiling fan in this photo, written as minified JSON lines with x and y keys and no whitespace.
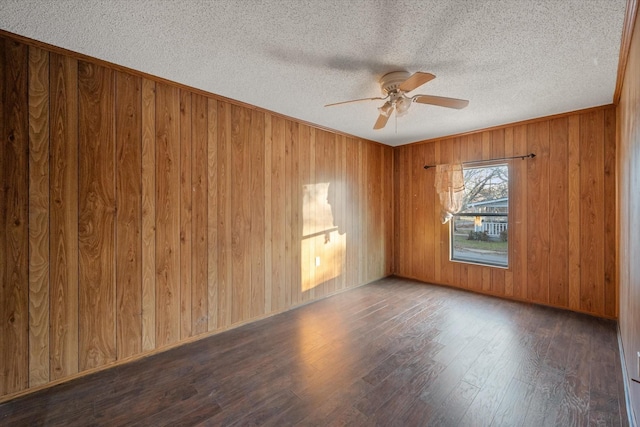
{"x":395,"y":86}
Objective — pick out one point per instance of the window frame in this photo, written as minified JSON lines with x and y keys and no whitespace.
{"x":477,"y":165}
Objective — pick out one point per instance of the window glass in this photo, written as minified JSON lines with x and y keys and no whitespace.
{"x":480,"y":231}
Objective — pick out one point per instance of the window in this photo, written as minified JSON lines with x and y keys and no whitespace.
{"x":480,"y":231}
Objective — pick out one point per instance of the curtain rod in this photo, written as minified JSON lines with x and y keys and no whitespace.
{"x":530,"y":155}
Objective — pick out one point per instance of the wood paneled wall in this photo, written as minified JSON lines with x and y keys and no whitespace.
{"x":562,"y":212}
{"x":136,"y":214}
{"x":629,"y":215}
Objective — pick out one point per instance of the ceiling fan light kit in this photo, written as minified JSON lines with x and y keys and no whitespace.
{"x":386,"y":109}
{"x":395,"y":85}
{"x":402,"y":105}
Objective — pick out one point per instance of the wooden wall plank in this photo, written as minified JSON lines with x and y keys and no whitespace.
{"x":318,"y":176}
{"x":397,"y":209}
{"x":314,"y":277}
{"x":456,"y":158}
{"x":429,"y":196}
{"x":185,"y":214}
{"x":341,"y":203}
{"x":128,"y":107}
{"x":520,"y":215}
{"x":257,"y":207}
{"x":290,"y":134}
{"x":508,"y":152}
{"x":63,"y":224}
{"x":439,"y":251}
{"x":240,"y":214}
{"x":320,"y":276}
{"x":574,"y":211}
{"x":419,"y":206}
{"x":487,"y":144}
{"x":212,"y":213}
{"x":538,"y":212}
{"x":398,"y":212}
{"x":365,"y":196}
{"x":376,"y":231}
{"x":268,"y":208}
{"x":332,"y":204}
{"x":200,"y":216}
{"x":148,"y":215}
{"x":167,"y":215}
{"x":592,"y":211}
{"x":408,"y":222}
{"x":355,"y":190}
{"x":464,"y":157}
{"x":278,"y":224}
{"x":4,"y":201}
{"x":362,"y":213}
{"x":39,"y":213}
{"x":559,"y":212}
{"x":475,"y":146}
{"x":14,"y":248}
{"x":304,"y":138}
{"x":296,"y":194}
{"x":224,"y":215}
{"x":96,"y":216}
{"x":497,"y":152}
{"x":342,"y":213}
{"x":388,"y":199}
{"x":336,"y":203}
{"x":486,"y":279}
{"x":486,"y":155}
{"x":307,"y":253}
{"x":378,"y":208}
{"x":610,"y":198}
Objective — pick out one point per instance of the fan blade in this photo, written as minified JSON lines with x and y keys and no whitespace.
{"x":382,"y":120}
{"x":441,"y":101}
{"x":415,"y":81}
{"x":354,"y":100}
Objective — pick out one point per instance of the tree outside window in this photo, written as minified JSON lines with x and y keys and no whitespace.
{"x":480,"y":231}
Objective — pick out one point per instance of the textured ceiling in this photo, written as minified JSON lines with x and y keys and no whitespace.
{"x":512,"y":59}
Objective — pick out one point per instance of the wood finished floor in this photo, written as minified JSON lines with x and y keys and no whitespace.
{"x":392,"y":353}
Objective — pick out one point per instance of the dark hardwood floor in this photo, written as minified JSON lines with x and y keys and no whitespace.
{"x":392,"y":353}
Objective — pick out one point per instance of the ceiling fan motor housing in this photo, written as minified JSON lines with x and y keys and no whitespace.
{"x":389,"y":82}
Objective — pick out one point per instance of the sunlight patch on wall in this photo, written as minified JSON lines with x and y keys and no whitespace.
{"x":323,"y":248}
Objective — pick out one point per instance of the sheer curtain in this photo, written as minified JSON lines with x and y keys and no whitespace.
{"x":450,"y":188}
